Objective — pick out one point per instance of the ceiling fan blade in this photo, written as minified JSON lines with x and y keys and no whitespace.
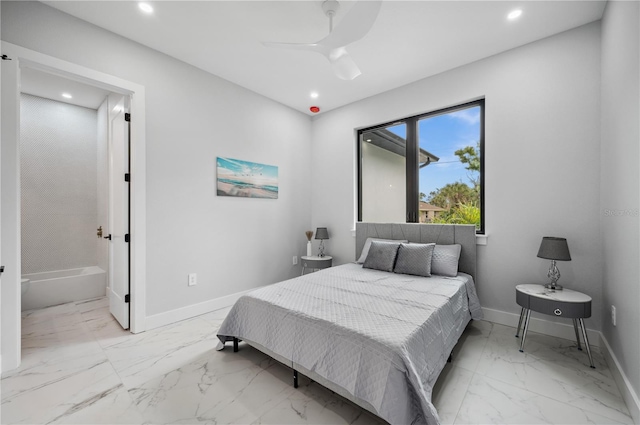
{"x":343,"y":65}
{"x":355,"y":24}
{"x":295,"y":46}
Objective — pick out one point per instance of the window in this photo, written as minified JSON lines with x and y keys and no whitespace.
{"x":428,"y":168}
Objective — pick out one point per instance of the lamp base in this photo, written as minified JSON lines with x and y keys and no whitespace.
{"x":553,"y":275}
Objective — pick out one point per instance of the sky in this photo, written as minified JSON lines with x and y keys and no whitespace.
{"x":442,"y":135}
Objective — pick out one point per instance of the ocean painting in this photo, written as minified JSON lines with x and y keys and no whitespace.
{"x":247,"y":179}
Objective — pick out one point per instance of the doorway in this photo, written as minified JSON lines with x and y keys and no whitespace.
{"x":74,"y":156}
{"x":132,"y":233}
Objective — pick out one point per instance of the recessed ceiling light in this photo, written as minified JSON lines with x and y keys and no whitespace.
{"x":314,"y":95}
{"x":514,"y":14}
{"x":66,"y":95}
{"x":145,"y":7}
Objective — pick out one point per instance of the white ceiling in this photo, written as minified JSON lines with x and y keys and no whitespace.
{"x":409,"y":41}
{"x":51,"y":86}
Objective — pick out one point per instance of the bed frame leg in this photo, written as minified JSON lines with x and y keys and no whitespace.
{"x":235,"y":344}
{"x":450,"y":358}
{"x":295,"y":378}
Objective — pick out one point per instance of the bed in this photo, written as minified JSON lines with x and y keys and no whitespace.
{"x":377,"y":338}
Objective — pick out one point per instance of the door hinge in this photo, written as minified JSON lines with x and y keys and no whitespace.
{"x":127,"y":117}
{"x":5,"y":58}
{"x":127,"y":177}
{"x":126,"y":237}
{"x":127,"y":298}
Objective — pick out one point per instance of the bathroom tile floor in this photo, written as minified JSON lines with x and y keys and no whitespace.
{"x":79,"y":366}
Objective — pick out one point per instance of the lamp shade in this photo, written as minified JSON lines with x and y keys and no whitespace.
{"x":553,"y":248}
{"x":322,"y":233}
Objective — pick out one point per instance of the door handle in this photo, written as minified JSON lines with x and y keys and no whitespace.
{"x":108,"y":237}
{"x":1,"y":269}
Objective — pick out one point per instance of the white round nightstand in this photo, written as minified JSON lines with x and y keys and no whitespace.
{"x":316,"y":262}
{"x":564,"y":303}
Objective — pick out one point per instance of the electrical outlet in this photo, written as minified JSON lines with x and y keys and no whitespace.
{"x":295,"y":260}
{"x":193,"y":279}
{"x":613,"y":315}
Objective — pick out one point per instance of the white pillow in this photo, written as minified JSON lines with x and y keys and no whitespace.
{"x":367,"y":245}
{"x":445,"y":260}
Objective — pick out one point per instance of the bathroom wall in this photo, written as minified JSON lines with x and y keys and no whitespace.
{"x":58,"y":151}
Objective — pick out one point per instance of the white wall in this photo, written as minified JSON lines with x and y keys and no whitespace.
{"x":384,"y":179}
{"x":541,"y":156}
{"x":58,"y":175}
{"x":620,"y":182}
{"x":232,"y":244}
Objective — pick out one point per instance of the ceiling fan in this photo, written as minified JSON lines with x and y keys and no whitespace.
{"x":355,"y":25}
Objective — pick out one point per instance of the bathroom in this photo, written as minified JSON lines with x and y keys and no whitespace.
{"x":64,"y":189}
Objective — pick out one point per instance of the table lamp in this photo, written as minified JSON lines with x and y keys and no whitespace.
{"x":554,"y":249}
{"x":322,"y":234}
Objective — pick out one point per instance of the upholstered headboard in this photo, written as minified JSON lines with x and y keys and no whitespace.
{"x":443,"y":234}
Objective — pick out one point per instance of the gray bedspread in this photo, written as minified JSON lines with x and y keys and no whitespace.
{"x":383,"y":337}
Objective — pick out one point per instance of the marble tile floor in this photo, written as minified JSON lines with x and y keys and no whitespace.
{"x":80,"y":367}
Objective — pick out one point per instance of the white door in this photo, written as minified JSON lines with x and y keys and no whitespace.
{"x":1,"y":266}
{"x":118,"y":211}
{"x":10,"y":214}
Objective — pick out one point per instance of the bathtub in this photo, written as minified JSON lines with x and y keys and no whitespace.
{"x":62,"y":286}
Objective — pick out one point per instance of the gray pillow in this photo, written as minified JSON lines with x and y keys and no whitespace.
{"x":414,"y":259}
{"x":367,"y":245}
{"x":382,"y":256}
{"x":445,"y":260}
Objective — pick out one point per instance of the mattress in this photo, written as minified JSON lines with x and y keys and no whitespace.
{"x":382,"y":337}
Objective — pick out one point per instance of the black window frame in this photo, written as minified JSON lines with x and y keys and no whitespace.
{"x":412,"y":157}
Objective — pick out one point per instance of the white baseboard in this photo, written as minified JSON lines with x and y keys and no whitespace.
{"x":546,"y":327}
{"x":173,"y":316}
{"x":628,"y":393}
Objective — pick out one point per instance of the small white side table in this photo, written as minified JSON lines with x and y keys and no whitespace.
{"x":316,"y":262}
{"x":564,"y":303}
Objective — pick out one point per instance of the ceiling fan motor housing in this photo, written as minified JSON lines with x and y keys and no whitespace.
{"x":330,"y":7}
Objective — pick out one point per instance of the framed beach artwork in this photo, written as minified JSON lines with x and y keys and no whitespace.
{"x":246,"y":179}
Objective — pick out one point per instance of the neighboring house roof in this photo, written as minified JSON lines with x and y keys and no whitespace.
{"x":385,"y":139}
{"x":428,"y":207}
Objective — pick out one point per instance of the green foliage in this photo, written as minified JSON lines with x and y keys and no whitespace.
{"x":460,"y":200}
{"x":470,"y":156}
{"x":453,"y":194}
{"x":460,"y":214}
{"x":423,"y":197}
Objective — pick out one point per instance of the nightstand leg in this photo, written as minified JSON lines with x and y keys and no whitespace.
{"x":575,"y":328}
{"x":526,"y":328}
{"x":586,"y":342}
{"x":302,"y":274}
{"x":520,"y":322}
